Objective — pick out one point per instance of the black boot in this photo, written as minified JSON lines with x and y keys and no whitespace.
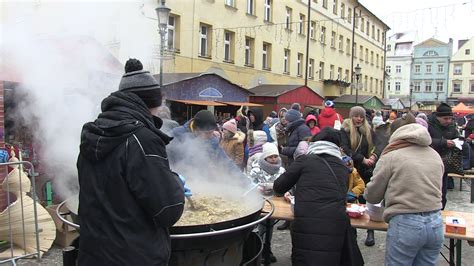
{"x":450,"y":183}
{"x":283,"y":226}
{"x":370,"y":241}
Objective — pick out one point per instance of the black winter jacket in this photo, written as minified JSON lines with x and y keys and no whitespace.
{"x":320,"y":214}
{"x":129,"y":197}
{"x":297,"y":131}
{"x":440,"y":134}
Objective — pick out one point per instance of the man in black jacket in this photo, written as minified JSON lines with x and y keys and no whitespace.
{"x":443,"y":130}
{"x":129,"y":197}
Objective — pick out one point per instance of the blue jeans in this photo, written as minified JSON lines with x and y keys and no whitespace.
{"x":414,"y":239}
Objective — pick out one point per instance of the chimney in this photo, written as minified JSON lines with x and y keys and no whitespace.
{"x":461,"y":43}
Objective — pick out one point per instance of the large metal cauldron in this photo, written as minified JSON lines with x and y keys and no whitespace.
{"x":223,"y":243}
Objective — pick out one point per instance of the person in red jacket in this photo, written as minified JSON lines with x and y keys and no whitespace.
{"x":329,"y":116}
{"x":311,"y":122}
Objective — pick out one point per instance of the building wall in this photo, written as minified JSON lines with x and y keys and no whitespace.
{"x":463,"y":58}
{"x":430,"y":53}
{"x":189,"y":16}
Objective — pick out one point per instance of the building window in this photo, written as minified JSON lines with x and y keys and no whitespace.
{"x":439,"y":86}
{"x":371,"y":84}
{"x":397,"y":86}
{"x":311,"y":69}
{"x":355,"y":49}
{"x":427,"y":86}
{"x":249,"y":48}
{"x":299,"y":65}
{"x":472,"y":68}
{"x":388,"y":69}
{"x":288,"y":18}
{"x":440,"y":68}
{"x":267,"y":11}
{"x":377,"y":60}
{"x":361,"y":54}
{"x":378,"y":35}
{"x":417,"y":68}
{"x":346,"y":76}
{"x":389,"y":47}
{"x":365,"y":84}
{"x":416,"y":86}
{"x":348,"y":46}
{"x":341,"y":43}
{"x":339,"y":73}
{"x":362,"y":24}
{"x":356,"y":20}
{"x":322,"y":38}
{"x":428,"y":68}
{"x":170,"y":36}
{"x":458,"y":69}
{"x":251,"y":7}
{"x":266,"y":56}
{"x":349,"y":15}
{"x":229,"y":46}
{"x":204,"y":47}
{"x":331,"y":72}
{"x":343,"y":11}
{"x":325,"y":4}
{"x":321,"y":70}
{"x":471,"y":86}
{"x":368,"y":27}
{"x":467,"y":52}
{"x":312,"y":28}
{"x":286,"y":62}
{"x":367,"y":55}
{"x":333,"y":39}
{"x":373,"y":31}
{"x":372,"y":57}
{"x":301,"y":24}
{"x":457,"y":86}
{"x":388,"y":85}
{"x":334,"y":7}
{"x":230,"y":3}
{"x":376,"y":86}
{"x":398,"y":69}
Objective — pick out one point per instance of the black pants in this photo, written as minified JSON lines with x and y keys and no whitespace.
{"x":444,"y":189}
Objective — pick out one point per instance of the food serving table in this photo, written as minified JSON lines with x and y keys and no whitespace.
{"x":282,"y":211}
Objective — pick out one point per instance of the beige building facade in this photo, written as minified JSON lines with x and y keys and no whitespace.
{"x":254,"y":42}
{"x":461,"y":73}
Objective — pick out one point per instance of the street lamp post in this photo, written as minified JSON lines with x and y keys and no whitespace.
{"x":411,"y":95}
{"x":357,"y":76}
{"x":163,"y":13}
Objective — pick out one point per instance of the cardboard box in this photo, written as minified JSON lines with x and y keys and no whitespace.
{"x":65,"y":234}
{"x":455,"y":225}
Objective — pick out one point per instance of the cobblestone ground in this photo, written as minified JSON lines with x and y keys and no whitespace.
{"x":281,"y":244}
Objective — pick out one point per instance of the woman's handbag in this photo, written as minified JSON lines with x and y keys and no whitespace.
{"x":453,"y":161}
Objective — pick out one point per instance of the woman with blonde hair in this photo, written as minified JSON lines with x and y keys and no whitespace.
{"x":357,"y":141}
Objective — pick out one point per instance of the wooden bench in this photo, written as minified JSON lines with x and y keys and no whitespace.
{"x":466,"y":176}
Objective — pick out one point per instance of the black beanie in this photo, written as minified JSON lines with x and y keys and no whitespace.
{"x":444,"y":110}
{"x":140,"y":82}
{"x":328,"y":134}
{"x":204,"y":120}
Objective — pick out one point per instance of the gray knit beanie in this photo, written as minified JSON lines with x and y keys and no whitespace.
{"x":357,"y":111}
{"x":140,"y":82}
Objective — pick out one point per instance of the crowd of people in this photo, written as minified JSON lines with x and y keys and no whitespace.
{"x":322,"y":159}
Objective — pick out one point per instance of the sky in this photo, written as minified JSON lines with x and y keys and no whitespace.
{"x":442,"y":19}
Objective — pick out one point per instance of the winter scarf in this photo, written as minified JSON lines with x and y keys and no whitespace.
{"x":324,"y":147}
{"x":399,"y":144}
{"x":268,"y":167}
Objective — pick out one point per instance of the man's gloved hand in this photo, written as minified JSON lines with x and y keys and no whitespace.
{"x":187,"y":191}
{"x":351,"y":196}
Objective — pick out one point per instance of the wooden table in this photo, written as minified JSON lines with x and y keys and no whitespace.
{"x":283,"y":212}
{"x":467,"y":176}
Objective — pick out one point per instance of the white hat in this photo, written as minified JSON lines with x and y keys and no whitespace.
{"x":269,"y":149}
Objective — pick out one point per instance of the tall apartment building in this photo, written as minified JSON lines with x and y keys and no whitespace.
{"x":461,"y":74}
{"x":430,"y":70}
{"x":398,"y":66}
{"x":253,"y":42}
